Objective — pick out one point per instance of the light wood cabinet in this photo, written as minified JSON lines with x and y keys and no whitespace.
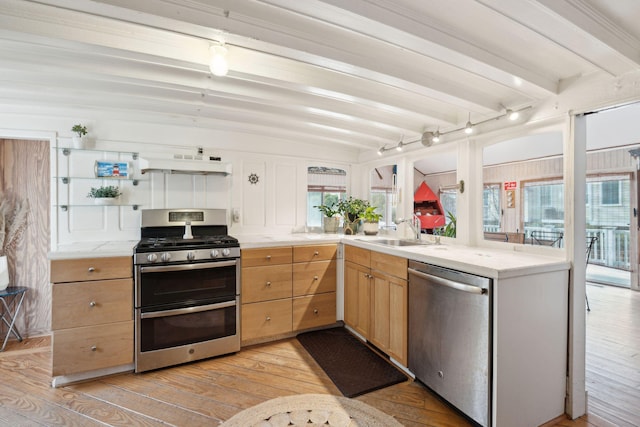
{"x":91,"y":317}
{"x":285,"y":289}
{"x":376,"y":299}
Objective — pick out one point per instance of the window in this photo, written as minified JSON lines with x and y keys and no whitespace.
{"x":383,"y":193}
{"x":543,"y":205}
{"x":611,"y":192}
{"x":325,"y":186}
{"x":448,"y":201}
{"x":491,"y":207}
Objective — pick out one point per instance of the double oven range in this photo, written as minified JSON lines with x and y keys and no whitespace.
{"x":187,"y":302}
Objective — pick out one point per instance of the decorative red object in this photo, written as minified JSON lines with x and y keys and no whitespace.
{"x":428,"y":208}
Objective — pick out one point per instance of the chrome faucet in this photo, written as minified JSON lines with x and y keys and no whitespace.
{"x":414,"y":224}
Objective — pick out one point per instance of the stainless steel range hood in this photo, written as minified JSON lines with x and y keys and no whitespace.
{"x":197,"y":165}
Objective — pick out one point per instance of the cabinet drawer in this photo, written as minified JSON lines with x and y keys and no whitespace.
{"x":266,"y":256}
{"x":314,"y":277}
{"x":266,"y":283}
{"x":357,"y":255}
{"x":314,"y":253}
{"x":315,"y":310}
{"x":92,"y":347}
{"x":389,"y":264}
{"x":91,"y":303}
{"x":82,"y":269}
{"x":263,"y":319}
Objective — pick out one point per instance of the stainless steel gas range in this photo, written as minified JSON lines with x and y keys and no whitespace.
{"x":187,"y":288}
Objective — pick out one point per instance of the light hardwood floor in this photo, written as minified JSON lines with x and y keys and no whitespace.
{"x":205,"y":393}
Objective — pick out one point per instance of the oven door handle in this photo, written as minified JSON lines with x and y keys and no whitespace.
{"x":182,"y":267}
{"x":188,"y":310}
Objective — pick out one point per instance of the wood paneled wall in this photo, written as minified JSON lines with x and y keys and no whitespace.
{"x":25,"y":170}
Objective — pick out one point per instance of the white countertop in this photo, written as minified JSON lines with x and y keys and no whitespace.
{"x":512,"y":261}
{"x":479,"y":260}
{"x":93,"y":249}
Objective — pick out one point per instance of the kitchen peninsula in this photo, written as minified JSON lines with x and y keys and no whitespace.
{"x":529,"y":312}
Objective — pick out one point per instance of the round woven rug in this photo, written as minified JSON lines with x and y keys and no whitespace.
{"x":311,"y":410}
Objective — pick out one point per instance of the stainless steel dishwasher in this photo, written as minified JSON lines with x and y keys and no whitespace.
{"x":450,"y":336}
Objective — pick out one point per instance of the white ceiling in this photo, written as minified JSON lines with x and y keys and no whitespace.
{"x":356,"y":74}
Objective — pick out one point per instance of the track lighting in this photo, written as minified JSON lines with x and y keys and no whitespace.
{"x":218,"y":64}
{"x":429,"y":138}
{"x":436,"y":137}
{"x":468,"y":128}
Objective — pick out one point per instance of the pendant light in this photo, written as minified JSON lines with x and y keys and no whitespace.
{"x":218,"y":64}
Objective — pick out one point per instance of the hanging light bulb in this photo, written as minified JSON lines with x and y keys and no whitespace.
{"x":218,"y":64}
{"x":468,"y":128}
{"x":513,"y":115}
{"x":380,"y":151}
{"x":399,"y":146}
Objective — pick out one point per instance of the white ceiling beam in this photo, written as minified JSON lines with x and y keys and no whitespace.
{"x":588,"y":36}
{"x":288,"y":35}
{"x":396,"y":26}
{"x":583,"y":16}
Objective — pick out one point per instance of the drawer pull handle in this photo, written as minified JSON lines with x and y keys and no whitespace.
{"x":269,"y":257}
{"x":91,"y":269}
{"x":268,"y":318}
{"x":316,"y":253}
{"x":315,"y":311}
{"x":315,"y":277}
{"x":92,"y":304}
{"x":268,"y":284}
{"x":94,"y":348}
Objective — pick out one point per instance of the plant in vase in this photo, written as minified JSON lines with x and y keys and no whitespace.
{"x":352,"y":210}
{"x":370,"y":221}
{"x":105,"y":195}
{"x":80,"y":131}
{"x":330,"y":219}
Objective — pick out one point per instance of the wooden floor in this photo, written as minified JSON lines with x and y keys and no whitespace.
{"x":205,"y":393}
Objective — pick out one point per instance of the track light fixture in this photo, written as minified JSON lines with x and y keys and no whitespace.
{"x":468,"y":128}
{"x":436,"y":136}
{"x":429,"y":137}
{"x":218,"y":64}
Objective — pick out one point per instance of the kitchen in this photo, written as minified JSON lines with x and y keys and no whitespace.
{"x":258,"y":147}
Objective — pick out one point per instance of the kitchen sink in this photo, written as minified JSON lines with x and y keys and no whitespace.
{"x":397,"y":242}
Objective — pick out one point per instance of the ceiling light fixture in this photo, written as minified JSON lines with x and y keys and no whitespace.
{"x":436,"y":136}
{"x":468,"y":128}
{"x":218,"y":64}
{"x":428,"y":138}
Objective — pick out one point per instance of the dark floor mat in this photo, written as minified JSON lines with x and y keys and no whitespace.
{"x":352,"y":366}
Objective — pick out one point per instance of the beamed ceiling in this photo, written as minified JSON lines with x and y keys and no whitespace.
{"x":356,"y":74}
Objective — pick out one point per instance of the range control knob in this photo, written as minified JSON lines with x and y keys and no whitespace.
{"x":152,"y":257}
{"x":191,"y":256}
{"x":215,"y":253}
{"x":226,"y":252}
{"x":166,"y":257}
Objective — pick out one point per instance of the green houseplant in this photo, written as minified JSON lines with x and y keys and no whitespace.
{"x":78,"y":139}
{"x":105,"y":195}
{"x":352,"y":210}
{"x":330,"y":218}
{"x":370,"y":221}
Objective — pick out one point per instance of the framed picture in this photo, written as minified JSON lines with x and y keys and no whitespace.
{"x":112,"y":169}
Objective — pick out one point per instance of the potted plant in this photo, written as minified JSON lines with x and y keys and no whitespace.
{"x":330,"y":219}
{"x":105,"y":195}
{"x":370,"y":221}
{"x":78,"y":139}
{"x":352,"y":210}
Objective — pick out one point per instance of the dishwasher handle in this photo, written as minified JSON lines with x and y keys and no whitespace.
{"x":449,"y":283}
